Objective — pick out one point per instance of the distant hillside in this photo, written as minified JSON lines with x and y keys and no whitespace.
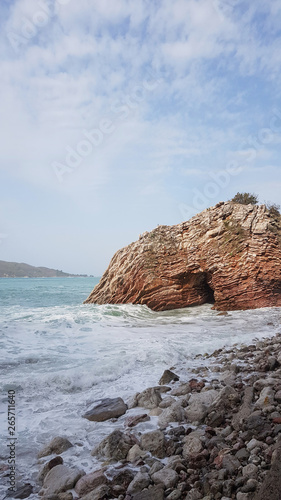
{"x":16,"y":270}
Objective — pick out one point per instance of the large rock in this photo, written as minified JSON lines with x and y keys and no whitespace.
{"x":174,"y":413}
{"x":106,"y":409}
{"x":140,"y":481}
{"x":59,"y":479}
{"x":168,"y":377}
{"x":90,"y":481}
{"x":100,"y":493}
{"x":198,"y":405}
{"x":229,"y":254}
{"x":115,"y":446}
{"x":149,"y":398}
{"x":56,"y":446}
{"x":154,"y":442}
{"x":166,"y":477}
{"x":154,"y":493}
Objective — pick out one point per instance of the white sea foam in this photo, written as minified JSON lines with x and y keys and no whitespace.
{"x":60,"y":359}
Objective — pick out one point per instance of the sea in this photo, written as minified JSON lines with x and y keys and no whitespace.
{"x":59,"y":356}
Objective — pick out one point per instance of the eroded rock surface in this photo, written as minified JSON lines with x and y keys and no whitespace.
{"x":229,"y":254}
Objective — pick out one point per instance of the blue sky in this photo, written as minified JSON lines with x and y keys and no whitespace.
{"x":118,"y":115}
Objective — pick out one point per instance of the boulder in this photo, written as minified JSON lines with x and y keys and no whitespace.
{"x":168,"y":377}
{"x":105,"y":409}
{"x":136,"y":419}
{"x":166,"y":477}
{"x":99,"y":493}
{"x":114,"y":447}
{"x":149,"y":398}
{"x":174,"y":413}
{"x":140,"y":481}
{"x":154,"y":493}
{"x":154,"y":442}
{"x":192,"y":445}
{"x":90,"y":481}
{"x":228,"y":254}
{"x":56,"y":446}
{"x":266,"y":397}
{"x":135,"y":453}
{"x":60,"y":478}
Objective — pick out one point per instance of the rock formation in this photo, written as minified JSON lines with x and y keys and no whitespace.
{"x":229,"y":254}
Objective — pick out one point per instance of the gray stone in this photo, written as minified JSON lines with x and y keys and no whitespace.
{"x":59,"y":479}
{"x":23,"y":491}
{"x":182,"y":390}
{"x":140,"y":481}
{"x":90,"y":481}
{"x":230,"y":463}
{"x":166,"y":402}
{"x":250,"y":470}
{"x":199,"y":404}
{"x":150,"y":398}
{"x":154,"y":493}
{"x":266,"y":397}
{"x":193,"y":494}
{"x":192,"y":446}
{"x":99,"y":493}
{"x":105,"y":409}
{"x":154,"y":442}
{"x":57,"y":446}
{"x":168,"y":377}
{"x":115,"y":446}
{"x":166,"y":477}
{"x":174,"y":413}
{"x":135,"y":453}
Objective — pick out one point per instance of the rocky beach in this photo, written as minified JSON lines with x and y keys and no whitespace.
{"x":216,"y":436}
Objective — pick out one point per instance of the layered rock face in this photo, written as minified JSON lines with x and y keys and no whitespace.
{"x":229,"y":254}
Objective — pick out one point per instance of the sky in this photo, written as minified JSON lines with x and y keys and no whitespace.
{"x":121,"y":115}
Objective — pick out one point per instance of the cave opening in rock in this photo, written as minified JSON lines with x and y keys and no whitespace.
{"x":210,"y":294}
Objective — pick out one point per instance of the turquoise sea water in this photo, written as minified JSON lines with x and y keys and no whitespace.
{"x":60,"y":355}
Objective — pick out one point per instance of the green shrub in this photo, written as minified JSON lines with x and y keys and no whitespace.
{"x":245,"y":198}
{"x":273,"y":208}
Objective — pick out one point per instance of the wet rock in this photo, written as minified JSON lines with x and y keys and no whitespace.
{"x":48,"y":466}
{"x":56,"y":446}
{"x":105,"y":409}
{"x":193,"y":445}
{"x":156,"y":467}
{"x":182,"y":390}
{"x":266,"y":397}
{"x":24,"y":491}
{"x":193,"y":494}
{"x":199,"y":404}
{"x":174,"y":495}
{"x":168,"y":377}
{"x":137,"y":419}
{"x":166,"y":402}
{"x":100,"y":493}
{"x":90,"y":481}
{"x":115,"y":446}
{"x":230,"y":463}
{"x":278,"y":396}
{"x":165,"y":477}
{"x":250,"y":470}
{"x":195,"y":385}
{"x":149,"y":398}
{"x":60,"y":478}
{"x":174,"y":413}
{"x":140,"y":481}
{"x":154,"y":442}
{"x":245,"y":409}
{"x":154,"y":493}
{"x":135,"y":453}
